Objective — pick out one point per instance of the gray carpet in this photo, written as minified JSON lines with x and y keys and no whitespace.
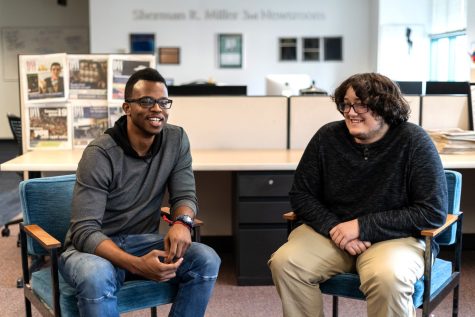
{"x":229,"y":300}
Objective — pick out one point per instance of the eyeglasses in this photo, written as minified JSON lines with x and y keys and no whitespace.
{"x":149,"y":102}
{"x":358,"y":107}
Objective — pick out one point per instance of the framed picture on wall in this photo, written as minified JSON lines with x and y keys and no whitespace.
{"x":142,"y":43}
{"x":333,"y":48}
{"x":288,"y":49}
{"x":230,"y":50}
{"x":169,"y":55}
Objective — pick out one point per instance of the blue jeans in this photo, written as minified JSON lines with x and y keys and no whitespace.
{"x":97,"y":281}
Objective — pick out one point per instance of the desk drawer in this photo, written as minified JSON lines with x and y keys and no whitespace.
{"x":264,"y":184}
{"x":255,"y":249}
{"x":262,"y":211}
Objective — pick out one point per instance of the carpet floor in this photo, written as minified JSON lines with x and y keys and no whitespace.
{"x":229,"y":300}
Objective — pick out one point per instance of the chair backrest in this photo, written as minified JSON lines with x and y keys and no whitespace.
{"x":46,"y":202}
{"x":454,"y":186}
{"x":15,"y":126}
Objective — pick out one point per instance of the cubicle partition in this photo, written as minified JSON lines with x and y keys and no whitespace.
{"x":240,"y":122}
{"x":307,"y":115}
{"x":445,"y":112}
{"x":310,"y":113}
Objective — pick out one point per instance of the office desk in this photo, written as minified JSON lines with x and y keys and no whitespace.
{"x":203,"y":160}
{"x":260,"y":183}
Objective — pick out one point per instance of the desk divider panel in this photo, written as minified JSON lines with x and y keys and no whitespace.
{"x":307,"y":115}
{"x":445,"y":112}
{"x":238,"y":122}
{"x":415,"y":104}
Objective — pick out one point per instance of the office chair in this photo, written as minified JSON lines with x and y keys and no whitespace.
{"x":439,"y":279}
{"x":46,"y":204}
{"x":15,"y":126}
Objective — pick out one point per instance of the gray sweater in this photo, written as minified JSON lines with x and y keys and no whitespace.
{"x":394,"y":187}
{"x":116,"y":193}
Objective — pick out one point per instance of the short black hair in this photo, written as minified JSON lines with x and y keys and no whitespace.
{"x":380,"y":93}
{"x":149,"y":74}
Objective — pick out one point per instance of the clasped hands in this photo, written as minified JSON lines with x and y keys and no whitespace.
{"x":346,"y":236}
{"x":161,"y":265}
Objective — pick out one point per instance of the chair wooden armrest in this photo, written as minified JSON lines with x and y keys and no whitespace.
{"x":290,"y":216}
{"x":45,"y":239}
{"x":451,"y":218}
{"x":165,"y":211}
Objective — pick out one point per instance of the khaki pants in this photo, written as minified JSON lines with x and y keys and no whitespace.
{"x":388,"y":271}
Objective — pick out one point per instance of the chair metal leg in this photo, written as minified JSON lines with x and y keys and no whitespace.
{"x":455,"y":307}
{"x":335,"y":306}
{"x":27,"y":307}
{"x":153,"y":311}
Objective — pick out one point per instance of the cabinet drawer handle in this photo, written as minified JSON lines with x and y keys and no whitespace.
{"x":271,"y":182}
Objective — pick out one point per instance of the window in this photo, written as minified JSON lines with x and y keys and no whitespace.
{"x":311,"y":49}
{"x":449,"y":60}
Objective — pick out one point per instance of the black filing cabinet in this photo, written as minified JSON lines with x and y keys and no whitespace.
{"x":260,"y":199}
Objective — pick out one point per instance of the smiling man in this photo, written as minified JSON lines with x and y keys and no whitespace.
{"x":121,"y":181}
{"x":364,"y":188}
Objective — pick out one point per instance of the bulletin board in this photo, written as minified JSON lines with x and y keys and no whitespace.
{"x":39,"y":40}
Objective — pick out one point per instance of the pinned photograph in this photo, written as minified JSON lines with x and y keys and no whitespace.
{"x":44,"y":76}
{"x":88,"y":76}
{"x":47,"y":126}
{"x":89,"y":122}
{"x":121,"y":67}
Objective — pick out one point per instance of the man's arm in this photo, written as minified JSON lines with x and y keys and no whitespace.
{"x":307,"y":190}
{"x":183,"y":201}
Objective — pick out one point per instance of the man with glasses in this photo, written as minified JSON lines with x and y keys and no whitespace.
{"x":121,"y":181}
{"x":364,"y":188}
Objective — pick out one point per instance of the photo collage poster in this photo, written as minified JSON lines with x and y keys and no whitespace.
{"x":70,"y":99}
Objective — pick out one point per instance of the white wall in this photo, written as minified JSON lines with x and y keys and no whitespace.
{"x":395,"y":59}
{"x":28,"y":13}
{"x":112,"y":21}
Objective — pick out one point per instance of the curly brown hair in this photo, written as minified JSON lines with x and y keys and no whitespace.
{"x":379,"y":93}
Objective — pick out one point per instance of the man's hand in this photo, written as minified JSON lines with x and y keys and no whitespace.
{"x":150,"y":266}
{"x":356,"y":246}
{"x":177,"y":241}
{"x":344,"y":232}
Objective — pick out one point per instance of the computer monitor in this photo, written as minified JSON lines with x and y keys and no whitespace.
{"x":276,"y":83}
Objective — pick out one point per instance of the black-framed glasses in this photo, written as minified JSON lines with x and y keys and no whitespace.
{"x":358,"y":107}
{"x":149,"y":102}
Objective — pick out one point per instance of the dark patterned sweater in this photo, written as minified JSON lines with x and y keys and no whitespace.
{"x":394,"y":187}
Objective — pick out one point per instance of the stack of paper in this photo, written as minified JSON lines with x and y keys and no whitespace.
{"x":453,"y":141}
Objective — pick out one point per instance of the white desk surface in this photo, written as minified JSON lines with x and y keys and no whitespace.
{"x":203,"y":160}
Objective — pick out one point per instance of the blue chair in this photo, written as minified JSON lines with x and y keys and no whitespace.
{"x":439,"y":279}
{"x":46,"y":204}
